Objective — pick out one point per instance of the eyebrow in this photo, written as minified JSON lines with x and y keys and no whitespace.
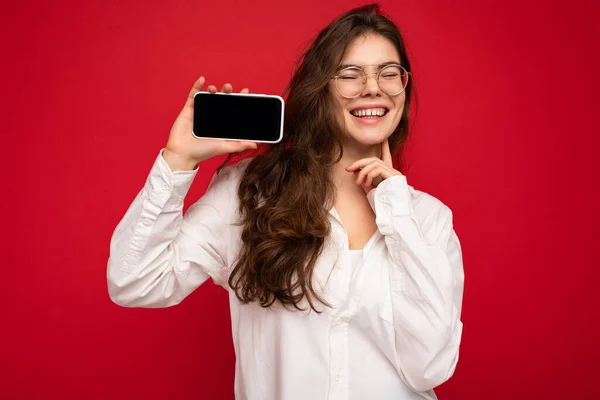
{"x":385,"y":64}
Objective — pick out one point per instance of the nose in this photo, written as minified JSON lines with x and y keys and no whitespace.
{"x":371,"y":85}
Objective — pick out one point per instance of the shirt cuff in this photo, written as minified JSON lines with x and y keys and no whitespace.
{"x":167,"y":189}
{"x":391,"y":198}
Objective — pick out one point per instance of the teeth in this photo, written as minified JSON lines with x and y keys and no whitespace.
{"x":369,"y":112}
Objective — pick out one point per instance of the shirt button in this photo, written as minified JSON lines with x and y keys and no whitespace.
{"x":337,"y":378}
{"x":164,"y":186}
{"x":147,"y":221}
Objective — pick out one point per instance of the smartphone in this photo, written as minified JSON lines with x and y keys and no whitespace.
{"x":236,"y":116}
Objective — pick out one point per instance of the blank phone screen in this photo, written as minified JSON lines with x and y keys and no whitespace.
{"x":226,"y":116}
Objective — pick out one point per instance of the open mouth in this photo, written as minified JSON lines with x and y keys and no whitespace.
{"x":369,"y":113}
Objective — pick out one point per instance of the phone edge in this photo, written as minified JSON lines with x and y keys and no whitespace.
{"x":246,"y":95}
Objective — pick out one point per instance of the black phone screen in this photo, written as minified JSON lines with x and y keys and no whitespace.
{"x":238,"y":117}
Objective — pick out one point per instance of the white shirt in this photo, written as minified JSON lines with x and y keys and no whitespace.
{"x":393,"y":331}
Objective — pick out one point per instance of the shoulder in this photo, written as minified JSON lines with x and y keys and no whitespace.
{"x":229,"y":177}
{"x":409,"y":200}
{"x":222,"y":191}
{"x":426,"y":203}
{"x":394,"y":196}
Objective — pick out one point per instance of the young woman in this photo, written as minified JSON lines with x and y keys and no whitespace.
{"x":344,"y":281}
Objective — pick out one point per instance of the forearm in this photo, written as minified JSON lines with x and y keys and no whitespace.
{"x":425,"y":313}
{"x":153,"y":262}
{"x":426,"y":281}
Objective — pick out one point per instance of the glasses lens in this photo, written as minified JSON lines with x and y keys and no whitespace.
{"x":393,"y":79}
{"x":350,"y":82}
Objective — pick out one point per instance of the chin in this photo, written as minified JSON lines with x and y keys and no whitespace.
{"x":369,"y":135}
{"x":368,"y":138}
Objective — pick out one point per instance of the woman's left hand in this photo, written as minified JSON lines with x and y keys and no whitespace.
{"x":370,"y":172}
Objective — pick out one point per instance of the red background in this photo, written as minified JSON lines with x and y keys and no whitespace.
{"x":506,"y":135}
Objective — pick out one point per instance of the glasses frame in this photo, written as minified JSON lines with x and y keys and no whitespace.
{"x":366,"y":77}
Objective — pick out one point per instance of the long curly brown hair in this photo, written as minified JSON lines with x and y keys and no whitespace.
{"x":287,"y":190}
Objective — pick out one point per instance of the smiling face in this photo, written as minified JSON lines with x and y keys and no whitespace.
{"x":373,"y":115}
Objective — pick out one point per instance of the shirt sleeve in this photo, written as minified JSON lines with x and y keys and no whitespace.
{"x":158,"y":255}
{"x":426,"y":281}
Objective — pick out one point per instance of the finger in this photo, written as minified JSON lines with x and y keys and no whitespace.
{"x":361,"y":163}
{"x":245,"y":91}
{"x":373,"y":173}
{"x":367,"y":188}
{"x":386,"y":154}
{"x":197,"y":87}
{"x":247,"y":143}
{"x":227,"y":88}
{"x":364,"y":172}
{"x":212,"y":89}
{"x":378,"y":169}
{"x":374,"y":177}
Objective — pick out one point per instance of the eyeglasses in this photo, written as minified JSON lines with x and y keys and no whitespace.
{"x":351,"y":81}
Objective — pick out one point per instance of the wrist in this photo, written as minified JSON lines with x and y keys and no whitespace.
{"x":178,"y":162}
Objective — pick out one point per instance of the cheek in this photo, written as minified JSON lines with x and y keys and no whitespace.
{"x":340,"y":114}
{"x":335,"y":97}
{"x":399,"y":103}
{"x":338,"y":102}
{"x":399,"y":107}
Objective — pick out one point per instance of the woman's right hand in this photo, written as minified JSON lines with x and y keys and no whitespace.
{"x":183,"y":151}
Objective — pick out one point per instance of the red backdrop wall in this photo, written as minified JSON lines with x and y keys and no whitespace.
{"x":506,"y":135}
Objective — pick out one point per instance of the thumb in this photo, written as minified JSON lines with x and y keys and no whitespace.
{"x":195,"y":89}
{"x":239,"y":146}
